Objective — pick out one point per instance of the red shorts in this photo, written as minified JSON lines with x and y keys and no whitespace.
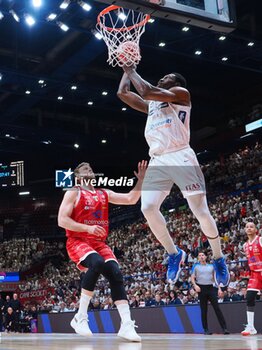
{"x":78,"y":249}
{"x":255,"y":281}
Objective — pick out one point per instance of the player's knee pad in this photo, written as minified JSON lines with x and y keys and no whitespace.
{"x":95,"y":264}
{"x":115,"y":278}
{"x":251,"y":298}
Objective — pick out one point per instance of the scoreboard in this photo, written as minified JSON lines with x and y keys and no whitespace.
{"x":9,"y":277}
{"x":12,"y":174}
{"x":217,"y":15}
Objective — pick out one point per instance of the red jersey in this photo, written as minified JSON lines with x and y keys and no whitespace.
{"x":253,"y":251}
{"x":91,"y":208}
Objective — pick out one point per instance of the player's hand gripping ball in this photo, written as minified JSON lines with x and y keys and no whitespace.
{"x":128,"y":53}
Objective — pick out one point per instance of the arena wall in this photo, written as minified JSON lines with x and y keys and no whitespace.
{"x":169,"y":319}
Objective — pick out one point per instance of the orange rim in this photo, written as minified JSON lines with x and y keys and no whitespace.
{"x":112,"y":8}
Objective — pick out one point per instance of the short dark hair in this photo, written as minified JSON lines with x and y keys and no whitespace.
{"x":180,"y":79}
{"x":202,"y":251}
{"x":76,"y":171}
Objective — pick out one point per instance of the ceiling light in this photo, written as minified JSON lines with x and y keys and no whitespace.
{"x":103,"y":141}
{"x":29,"y":20}
{"x":47,"y":142}
{"x":1,"y":15}
{"x":41,"y":81}
{"x":28,"y":92}
{"x":64,"y":4}
{"x":60,"y":98}
{"x":37,"y":3}
{"x":25,"y":193}
{"x":185,"y":29}
{"x":63,"y":26}
{"x":162,"y":44}
{"x":76,"y":145}
{"x":222,"y":38}
{"x":7,"y":135}
{"x":15,"y":16}
{"x":73,"y":87}
{"x":122,"y":16}
{"x":224,"y":59}
{"x":1,"y":76}
{"x":90,"y":103}
{"x":98,"y":35}
{"x":104,"y":93}
{"x":198,"y":52}
{"x":251,"y":43}
{"x":51,"y":17}
{"x":151,"y":20}
{"x":124,"y":109}
{"x":85,"y":6}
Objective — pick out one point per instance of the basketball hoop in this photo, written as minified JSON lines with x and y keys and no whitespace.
{"x":121,"y":30}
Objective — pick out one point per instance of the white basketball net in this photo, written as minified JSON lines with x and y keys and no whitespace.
{"x":121,"y":30}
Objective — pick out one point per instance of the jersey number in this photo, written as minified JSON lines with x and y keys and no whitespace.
{"x":182,"y":116}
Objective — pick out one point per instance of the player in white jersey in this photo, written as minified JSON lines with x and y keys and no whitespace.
{"x":167,"y":132}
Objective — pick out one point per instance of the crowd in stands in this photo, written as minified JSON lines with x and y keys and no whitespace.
{"x":141,"y":257}
{"x":14,"y":317}
{"x":20,"y":254}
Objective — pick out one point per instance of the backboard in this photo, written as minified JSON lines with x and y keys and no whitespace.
{"x":217,"y":15}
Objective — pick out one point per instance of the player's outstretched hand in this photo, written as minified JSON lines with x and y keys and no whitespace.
{"x":141,"y":170}
{"x":96,"y":230}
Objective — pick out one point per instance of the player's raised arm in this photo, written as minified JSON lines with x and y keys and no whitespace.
{"x":130,"y":98}
{"x":147,"y":91}
{"x":133,"y":196}
{"x":65,"y":221}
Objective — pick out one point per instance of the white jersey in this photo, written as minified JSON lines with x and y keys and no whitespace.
{"x":167,"y":128}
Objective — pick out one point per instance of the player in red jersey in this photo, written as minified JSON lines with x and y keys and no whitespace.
{"x":253,"y":251}
{"x":84,"y":214}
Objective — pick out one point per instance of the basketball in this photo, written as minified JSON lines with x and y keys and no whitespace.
{"x":128,"y":53}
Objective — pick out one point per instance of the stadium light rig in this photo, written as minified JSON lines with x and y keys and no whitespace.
{"x":15,"y":16}
{"x":51,"y":17}
{"x":37,"y":3}
{"x":85,"y":6}
{"x":63,"y":26}
{"x":29,"y":20}
{"x":64,"y":5}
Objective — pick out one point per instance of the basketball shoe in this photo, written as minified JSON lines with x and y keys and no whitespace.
{"x":221,"y":272}
{"x":249,"y":331}
{"x":128,"y":332}
{"x":80,"y":325}
{"x":174,"y":265}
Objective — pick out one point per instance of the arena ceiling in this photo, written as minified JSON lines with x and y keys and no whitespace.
{"x":57,"y":90}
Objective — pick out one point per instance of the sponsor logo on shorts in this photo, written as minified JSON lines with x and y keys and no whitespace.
{"x":193,"y":187}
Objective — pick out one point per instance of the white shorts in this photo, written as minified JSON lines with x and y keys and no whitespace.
{"x":180,"y":167}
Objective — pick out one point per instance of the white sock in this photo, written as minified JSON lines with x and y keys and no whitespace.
{"x":83,"y":305}
{"x":216,"y":247}
{"x":124,"y":312}
{"x":250,"y":318}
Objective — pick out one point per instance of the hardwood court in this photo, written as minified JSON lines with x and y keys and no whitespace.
{"x":111,"y":342}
